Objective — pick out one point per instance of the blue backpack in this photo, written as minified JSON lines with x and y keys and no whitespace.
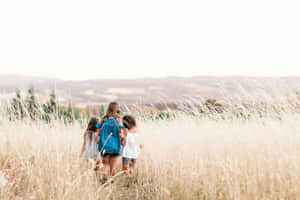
{"x":110,"y":140}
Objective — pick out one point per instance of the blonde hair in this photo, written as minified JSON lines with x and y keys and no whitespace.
{"x":113,"y":110}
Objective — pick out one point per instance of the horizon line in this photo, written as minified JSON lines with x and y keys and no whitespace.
{"x":155,"y":77}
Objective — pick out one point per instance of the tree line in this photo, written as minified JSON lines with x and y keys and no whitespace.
{"x":29,"y":107}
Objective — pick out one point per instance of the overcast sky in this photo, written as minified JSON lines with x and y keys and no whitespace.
{"x":84,"y":39}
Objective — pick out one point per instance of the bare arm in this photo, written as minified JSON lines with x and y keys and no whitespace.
{"x":141,"y":144}
{"x":98,"y":135}
{"x":123,"y":134}
{"x":83,"y":146}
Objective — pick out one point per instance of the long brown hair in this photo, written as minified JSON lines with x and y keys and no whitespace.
{"x":113,"y":110}
{"x":91,"y":128}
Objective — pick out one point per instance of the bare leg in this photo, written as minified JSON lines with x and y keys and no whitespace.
{"x":105,"y":162}
{"x":126,"y":168}
{"x":113,"y":164}
{"x":89,"y":164}
{"x":98,"y":165}
{"x":132,"y":167}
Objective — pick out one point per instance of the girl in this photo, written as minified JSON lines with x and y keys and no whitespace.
{"x":89,"y":146}
{"x":132,"y":146}
{"x":111,"y":136}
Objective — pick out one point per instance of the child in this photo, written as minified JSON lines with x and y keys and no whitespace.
{"x":132,"y":146}
{"x":89,"y":146}
{"x":110,"y":137}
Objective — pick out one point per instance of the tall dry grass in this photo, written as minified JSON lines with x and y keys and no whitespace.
{"x":183,"y":159}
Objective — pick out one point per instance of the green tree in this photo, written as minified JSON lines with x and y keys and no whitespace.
{"x":17,"y":109}
{"x":32,"y":105}
{"x":213,"y":105}
{"x":164,"y":115}
{"x":46,"y":115}
{"x":52,"y":104}
{"x":101,"y":111}
{"x":69,"y":117}
{"x":51,"y":108}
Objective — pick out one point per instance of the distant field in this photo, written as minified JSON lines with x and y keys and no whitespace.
{"x":152,"y":90}
{"x":183,"y":159}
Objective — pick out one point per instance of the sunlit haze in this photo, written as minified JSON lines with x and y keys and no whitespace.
{"x":128,"y":39}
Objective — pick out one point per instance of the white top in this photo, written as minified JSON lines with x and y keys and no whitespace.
{"x":91,"y":147}
{"x":132,"y":146}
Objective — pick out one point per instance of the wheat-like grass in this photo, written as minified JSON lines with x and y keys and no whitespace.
{"x":185,"y":158}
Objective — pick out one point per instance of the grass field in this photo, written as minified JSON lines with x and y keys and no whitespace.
{"x":183,"y":159}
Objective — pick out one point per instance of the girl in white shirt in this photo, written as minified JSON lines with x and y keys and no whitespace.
{"x":131,"y":150}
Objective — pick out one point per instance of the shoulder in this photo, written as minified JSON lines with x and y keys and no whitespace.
{"x":121,"y":125}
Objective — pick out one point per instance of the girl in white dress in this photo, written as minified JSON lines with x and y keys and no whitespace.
{"x":131,"y":150}
{"x":90,"y":146}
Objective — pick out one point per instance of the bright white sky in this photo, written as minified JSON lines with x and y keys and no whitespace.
{"x":83,"y":39}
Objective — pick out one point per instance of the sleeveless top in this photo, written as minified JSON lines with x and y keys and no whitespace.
{"x":110,"y":140}
{"x":132,"y":146}
{"x":91,"y":147}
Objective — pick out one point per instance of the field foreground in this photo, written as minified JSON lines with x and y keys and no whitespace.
{"x":182,"y":159}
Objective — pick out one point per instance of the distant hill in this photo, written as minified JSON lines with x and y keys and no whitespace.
{"x":152,"y":90}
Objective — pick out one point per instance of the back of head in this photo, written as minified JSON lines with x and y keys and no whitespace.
{"x":113,"y":110}
{"x":129,"y":121}
{"x":91,"y":128}
{"x":92,"y":124}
